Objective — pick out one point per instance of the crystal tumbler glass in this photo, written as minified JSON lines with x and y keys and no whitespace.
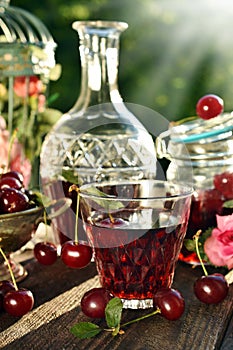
{"x":136,"y":230}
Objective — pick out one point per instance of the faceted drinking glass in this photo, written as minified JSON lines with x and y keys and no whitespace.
{"x":136,"y":230}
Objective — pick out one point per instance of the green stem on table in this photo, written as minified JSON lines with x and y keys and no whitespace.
{"x":118,"y":329}
{"x":10,"y":269}
{"x":196,"y":237}
{"x":75,"y":188}
{"x":157,"y":311}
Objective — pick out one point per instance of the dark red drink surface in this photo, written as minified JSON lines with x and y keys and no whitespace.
{"x":137,"y":269}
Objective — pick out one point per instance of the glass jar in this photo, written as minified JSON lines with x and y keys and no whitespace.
{"x":201,"y":153}
{"x":99,"y":138}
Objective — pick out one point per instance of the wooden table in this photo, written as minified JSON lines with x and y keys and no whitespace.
{"x":58,"y":290}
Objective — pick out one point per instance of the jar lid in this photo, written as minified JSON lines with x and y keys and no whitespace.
{"x":202,"y":130}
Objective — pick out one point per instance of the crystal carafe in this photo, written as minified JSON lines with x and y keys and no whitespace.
{"x":99,"y":138}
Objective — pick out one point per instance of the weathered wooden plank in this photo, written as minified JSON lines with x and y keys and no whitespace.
{"x":202,"y":327}
{"x":227,"y":342}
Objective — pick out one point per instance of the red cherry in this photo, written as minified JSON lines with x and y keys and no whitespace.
{"x":15,"y":174}
{"x":76,"y":255}
{"x":12,"y":200}
{"x":224,"y":183}
{"x":45,"y":253}
{"x":170,"y":302}
{"x":211,"y":289}
{"x":94,"y":302}
{"x":10,"y":182}
{"x":209,"y":106}
{"x":116,"y":222}
{"x":18,"y":302}
{"x":5,"y":286}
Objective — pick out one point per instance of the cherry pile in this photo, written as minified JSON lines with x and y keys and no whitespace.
{"x":13,"y":195}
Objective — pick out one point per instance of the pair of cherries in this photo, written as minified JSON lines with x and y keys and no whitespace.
{"x":210,"y":289}
{"x":73,"y":254}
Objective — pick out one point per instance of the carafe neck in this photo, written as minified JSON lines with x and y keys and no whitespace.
{"x":99,"y":54}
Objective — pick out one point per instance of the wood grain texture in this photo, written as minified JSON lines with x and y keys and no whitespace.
{"x":58,"y":290}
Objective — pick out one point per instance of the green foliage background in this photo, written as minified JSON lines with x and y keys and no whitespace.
{"x":173,"y":52}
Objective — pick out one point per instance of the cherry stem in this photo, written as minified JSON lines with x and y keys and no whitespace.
{"x":46,"y":227}
{"x":196,"y":237}
{"x":75,"y":188}
{"x":111,"y":218}
{"x":157,"y":311}
{"x":10,"y":269}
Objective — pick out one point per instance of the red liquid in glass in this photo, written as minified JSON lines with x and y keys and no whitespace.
{"x":137,"y":269}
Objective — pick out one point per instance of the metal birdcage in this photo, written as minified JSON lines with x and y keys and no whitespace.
{"x":26,"y":45}
{"x":27,"y":56}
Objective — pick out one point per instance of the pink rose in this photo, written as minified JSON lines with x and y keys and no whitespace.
{"x":18,"y":161}
{"x":41,"y":103}
{"x":22,"y":90}
{"x":4,"y":143}
{"x":219,"y":246}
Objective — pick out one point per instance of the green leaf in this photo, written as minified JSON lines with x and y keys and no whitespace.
{"x":84,"y":330}
{"x":207,"y":233}
{"x":49,"y":117}
{"x":113,"y":312}
{"x":41,"y":199}
{"x":228,"y":204}
{"x":70,"y":176}
{"x":109,"y":205}
{"x":190,"y":245}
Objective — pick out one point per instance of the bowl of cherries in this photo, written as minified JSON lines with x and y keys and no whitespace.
{"x":20,"y":215}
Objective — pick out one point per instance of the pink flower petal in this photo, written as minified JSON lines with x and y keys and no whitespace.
{"x":212,"y":250}
{"x":224,"y":222}
{"x":230,"y":263}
